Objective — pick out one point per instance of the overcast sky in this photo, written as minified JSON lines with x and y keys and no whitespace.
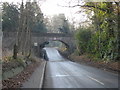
{"x":53,"y":7}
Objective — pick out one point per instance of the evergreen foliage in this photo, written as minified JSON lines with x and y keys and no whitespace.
{"x":103,"y":40}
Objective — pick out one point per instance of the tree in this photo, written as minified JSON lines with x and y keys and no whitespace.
{"x":105,"y":22}
{"x":10,"y":17}
{"x":60,"y":24}
{"x":24,"y":20}
{"x":104,"y":42}
{"x":38,"y":18}
{"x":1,"y":34}
{"x":83,"y":37}
{"x":31,"y":20}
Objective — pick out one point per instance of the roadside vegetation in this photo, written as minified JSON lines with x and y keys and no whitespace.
{"x":18,"y":61}
{"x":101,"y":39}
{"x":98,"y":44}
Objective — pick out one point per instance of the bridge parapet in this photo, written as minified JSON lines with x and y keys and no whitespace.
{"x":51,"y":34}
{"x":38,"y":34}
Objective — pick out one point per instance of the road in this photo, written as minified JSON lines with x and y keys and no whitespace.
{"x":62,"y":73}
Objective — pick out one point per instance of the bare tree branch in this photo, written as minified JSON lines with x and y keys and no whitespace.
{"x":89,"y":6}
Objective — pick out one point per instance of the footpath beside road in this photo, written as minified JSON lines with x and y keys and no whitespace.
{"x":36,"y":79}
{"x":31,"y":77}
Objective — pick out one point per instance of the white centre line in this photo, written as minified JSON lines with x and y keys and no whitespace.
{"x":95,"y":80}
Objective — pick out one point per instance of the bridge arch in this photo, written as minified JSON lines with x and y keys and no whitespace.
{"x":67,"y":46}
{"x":41,"y":52}
{"x":42,"y":45}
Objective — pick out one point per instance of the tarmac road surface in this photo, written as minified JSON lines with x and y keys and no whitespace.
{"x":62,"y":73}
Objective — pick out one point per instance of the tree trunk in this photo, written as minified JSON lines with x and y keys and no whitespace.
{"x":15,"y":51}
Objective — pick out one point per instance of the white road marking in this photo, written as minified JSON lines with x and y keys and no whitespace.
{"x":65,"y":76}
{"x":62,"y":75}
{"x":95,"y":80}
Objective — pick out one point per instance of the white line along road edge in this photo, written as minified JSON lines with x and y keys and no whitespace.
{"x":43,"y":73}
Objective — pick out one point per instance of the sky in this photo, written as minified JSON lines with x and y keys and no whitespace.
{"x":55,"y":7}
{"x":52,"y":7}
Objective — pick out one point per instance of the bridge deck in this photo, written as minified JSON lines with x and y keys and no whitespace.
{"x":38,"y":34}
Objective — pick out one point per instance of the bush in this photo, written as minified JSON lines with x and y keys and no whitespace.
{"x":83,"y":37}
{"x":98,"y":44}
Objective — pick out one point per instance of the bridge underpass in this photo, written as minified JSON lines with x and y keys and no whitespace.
{"x":43,"y":39}
{"x":39,"y":39}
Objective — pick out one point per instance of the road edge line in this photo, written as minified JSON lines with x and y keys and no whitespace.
{"x":43,"y":74}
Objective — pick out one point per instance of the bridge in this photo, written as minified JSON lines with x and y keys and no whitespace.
{"x":40,"y":38}
{"x":9,"y":39}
